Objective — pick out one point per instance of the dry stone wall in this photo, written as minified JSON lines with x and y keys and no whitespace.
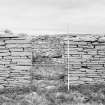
{"x":15,"y":61}
{"x":43,"y":60}
{"x":86,"y":59}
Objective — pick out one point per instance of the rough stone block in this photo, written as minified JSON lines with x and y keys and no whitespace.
{"x":22,"y":60}
{"x":21,"y":53}
{"x":17,"y":41}
{"x":17,"y":45}
{"x":16,"y":49}
{"x":86,"y":79}
{"x":102,"y":39}
{"x":88,"y":38}
{"x":76,"y":82}
{"x":2,"y":47}
{"x":2,"y":43}
{"x":73,"y":78}
{"x":4,"y":50}
{"x":4,"y":62}
{"x":21,"y":67}
{"x":100,"y":47}
{"x":5,"y":54}
{"x":86,"y":56}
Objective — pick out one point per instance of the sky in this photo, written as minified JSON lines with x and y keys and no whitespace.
{"x":53,"y":16}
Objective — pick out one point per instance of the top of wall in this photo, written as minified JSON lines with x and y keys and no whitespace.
{"x":72,"y":37}
{"x":75,"y":37}
{"x":4,"y":35}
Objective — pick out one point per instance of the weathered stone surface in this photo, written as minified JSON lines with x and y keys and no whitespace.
{"x":88,"y":38}
{"x":17,"y":41}
{"x":4,"y":53}
{"x":21,"y":53}
{"x":102,"y":39}
{"x":17,"y":45}
{"x":4,"y":62}
{"x":4,"y":50}
{"x":86,"y":79}
{"x":20,"y":67}
{"x":22,"y":61}
{"x":86,"y":58}
{"x":2,"y":43}
{"x":16,"y":49}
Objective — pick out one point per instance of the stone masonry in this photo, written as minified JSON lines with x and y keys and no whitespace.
{"x":43,"y":60}
{"x":15,"y":60}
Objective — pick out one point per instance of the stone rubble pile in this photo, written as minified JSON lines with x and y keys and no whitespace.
{"x":48,"y":69}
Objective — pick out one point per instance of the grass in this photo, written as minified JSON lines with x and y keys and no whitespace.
{"x":91,"y":94}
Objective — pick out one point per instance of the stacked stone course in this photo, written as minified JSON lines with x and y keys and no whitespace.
{"x":87,"y":59}
{"x":15,"y":61}
{"x":43,"y":60}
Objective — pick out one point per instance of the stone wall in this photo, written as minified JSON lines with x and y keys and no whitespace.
{"x":15,"y":60}
{"x":43,"y":60}
{"x":48,"y":70}
{"x":86,"y":59}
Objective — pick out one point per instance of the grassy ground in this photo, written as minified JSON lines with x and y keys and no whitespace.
{"x":93,"y":94}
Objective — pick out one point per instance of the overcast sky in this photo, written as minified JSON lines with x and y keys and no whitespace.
{"x":53,"y":16}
